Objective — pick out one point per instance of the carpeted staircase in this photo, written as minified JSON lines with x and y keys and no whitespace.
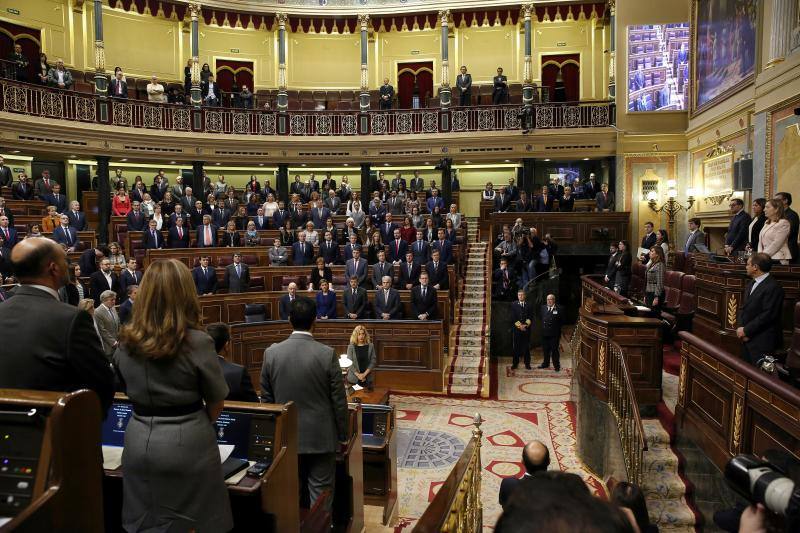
{"x":662,"y":484}
{"x":468,"y":370}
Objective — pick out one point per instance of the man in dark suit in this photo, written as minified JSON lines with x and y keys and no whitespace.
{"x":306,"y":372}
{"x":240,"y":386}
{"x":104,"y":279}
{"x":544,"y":202}
{"x":22,"y":190}
{"x":5,"y":174}
{"x":65,"y":235}
{"x":206,"y":233}
{"x":297,"y":187}
{"x":437,"y":272}
{"x":502,"y":281}
{"x":298,"y":216}
{"x":329,"y":250}
{"x":736,"y":237}
{"x":695,"y":236}
{"x":187,"y":200}
{"x":423,"y":299}
{"x":397,"y":181}
{"x":522,"y":315}
{"x":205,"y":277}
{"x":355,"y":300}
{"x":397,"y":248}
{"x":381,"y":269}
{"x":196,"y":214}
{"x":89,"y":258}
{"x":118,"y":88}
{"x":512,"y":190}
{"x":357,"y":266}
{"x":237,"y":275}
{"x":135,"y":219}
{"x":152,"y":238}
{"x":8,"y":234}
{"x":760,"y":315}
{"x":220,"y":215}
{"x":500,"y":90}
{"x":536,"y":459}
{"x":129,"y":275}
{"x":328,"y":184}
{"x":279,"y":216}
{"x":387,"y":301}
{"x":421,"y":249}
{"x":502,"y":201}
{"x":77,"y":219}
{"x":604,"y":199}
{"x":65,"y":355}
{"x":285,"y":301}
{"x":332,"y":202}
{"x":319,"y":215}
{"x":445,"y":247}
{"x":417,"y":183}
{"x":552,"y":317}
{"x":178,"y":235}
{"x":409,"y":273}
{"x":126,"y":308}
{"x":524,"y":205}
{"x":590,"y":187}
{"x":794,"y":224}
{"x":387,"y":229}
{"x":302,"y":252}
{"x":386,"y":93}
{"x":43,"y":185}
{"x":56,"y":198}
{"x":261,"y":221}
{"x":649,"y":239}
{"x":464,"y":87}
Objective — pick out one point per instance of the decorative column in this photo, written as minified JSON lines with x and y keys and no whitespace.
{"x":283,"y":96}
{"x":784,"y":18}
{"x":527,"y":70}
{"x":194,"y":12}
{"x":612,"y":53}
{"x":100,"y":80}
{"x":282,"y":183}
{"x":103,"y":198}
{"x":444,"y":90}
{"x":363,"y":21}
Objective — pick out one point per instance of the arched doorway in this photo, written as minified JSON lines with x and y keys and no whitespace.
{"x":567,"y":86}
{"x":414,"y":80}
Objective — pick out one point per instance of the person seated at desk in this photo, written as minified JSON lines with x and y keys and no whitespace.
{"x":387,"y":301}
{"x":240,"y":385}
{"x":285,"y":301}
{"x":423,"y":299}
{"x":171,"y":374}
{"x":760,"y":315}
{"x":773,"y":239}
{"x":326,"y":301}
{"x":319,"y":273}
{"x":361,"y":352}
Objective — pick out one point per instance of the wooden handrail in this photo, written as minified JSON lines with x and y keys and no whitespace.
{"x":623,"y":403}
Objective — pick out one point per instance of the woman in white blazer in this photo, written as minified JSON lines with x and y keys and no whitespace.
{"x":774,"y":237}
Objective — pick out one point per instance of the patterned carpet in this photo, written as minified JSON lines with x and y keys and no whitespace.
{"x":433,"y":431}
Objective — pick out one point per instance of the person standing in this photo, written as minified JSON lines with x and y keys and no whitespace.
{"x":500,"y":91}
{"x":362,"y":353}
{"x":552,"y":316}
{"x":522,"y":315}
{"x":306,"y":372}
{"x":654,"y":279}
{"x":464,"y":86}
{"x":736,"y":236}
{"x":794,"y":224}
{"x":107,"y":321}
{"x":386,"y":94}
{"x":237,"y":275}
{"x":240,"y":385}
{"x":173,"y":473}
{"x":65,"y":355}
{"x":760,"y":315}
{"x":155,"y":91}
{"x":695,"y":237}
{"x":773,"y":239}
{"x":757,"y":222}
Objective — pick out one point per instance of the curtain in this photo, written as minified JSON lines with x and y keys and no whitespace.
{"x":230,"y":72}
{"x":569,"y":65}
{"x":409,"y":73}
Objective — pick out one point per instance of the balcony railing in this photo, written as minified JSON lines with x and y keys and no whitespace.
{"x":39,"y":101}
{"x":622,"y":401}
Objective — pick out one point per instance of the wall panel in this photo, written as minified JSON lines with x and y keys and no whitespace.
{"x":323,"y":61}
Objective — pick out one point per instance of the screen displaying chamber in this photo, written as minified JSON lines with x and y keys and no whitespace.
{"x":234,"y":428}
{"x":115,"y":424}
{"x":658,"y":67}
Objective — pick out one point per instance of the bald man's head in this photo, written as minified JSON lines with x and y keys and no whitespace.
{"x":535,"y":457}
{"x":40,"y":262}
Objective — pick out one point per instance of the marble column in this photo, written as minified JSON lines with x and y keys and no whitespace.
{"x":283,"y":96}
{"x":194,"y":11}
{"x":527,"y":69}
{"x":444,"y":90}
{"x":363,"y":21}
{"x":612,"y":53}
{"x":784,"y":19}
{"x":100,"y":80}
{"x":103,"y":198}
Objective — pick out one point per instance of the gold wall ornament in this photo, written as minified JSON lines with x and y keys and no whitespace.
{"x":737,"y":424}
{"x":733,"y":308}
{"x":682,"y":382}
{"x":99,"y":56}
{"x":194,"y":10}
{"x":601,"y":361}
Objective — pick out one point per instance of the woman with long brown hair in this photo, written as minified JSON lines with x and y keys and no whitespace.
{"x":168,"y":364}
{"x":773,"y":239}
{"x":654,"y":278}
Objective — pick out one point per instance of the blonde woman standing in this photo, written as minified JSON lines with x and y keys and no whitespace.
{"x":362,"y":352}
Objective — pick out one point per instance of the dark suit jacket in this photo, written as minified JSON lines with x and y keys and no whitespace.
{"x":66,"y":355}
{"x":60,"y":202}
{"x":543,"y":205}
{"x":314,"y":382}
{"x":196,"y":217}
{"x":112,"y":89}
{"x":397,"y":250}
{"x":502,"y":202}
{"x":523,"y":207}
{"x":124,"y":312}
{"x":77,"y":221}
{"x":405,"y":278}
{"x":551,"y":322}
{"x":606,"y":202}
{"x":173,"y":241}
{"x":649,"y":241}
{"x":136,"y":222}
{"x":438,"y":276}
{"x":5,"y":176}
{"x":420,"y":305}
{"x":231,"y":240}
{"x":279,"y":218}
{"x":422,"y":252}
{"x":61,"y":237}
{"x":98,"y":284}
{"x":353,"y":269}
{"x":284,"y":306}
{"x":520,"y":314}
{"x":756,"y":230}
{"x":736,"y":236}
{"x":330,"y":253}
{"x":760,"y":315}
{"x":234,"y":282}
{"x":794,"y":228}
{"x":126,"y":279}
{"x":387,"y":234}
{"x":200,"y":230}
{"x":357,"y":303}
{"x":390,"y":305}
{"x":150,"y":242}
{"x":445,"y":250}
{"x":302,"y":253}
{"x":205,"y":284}
{"x":378,"y":273}
{"x":326,"y":305}
{"x":240,"y":386}
{"x":18,"y":194}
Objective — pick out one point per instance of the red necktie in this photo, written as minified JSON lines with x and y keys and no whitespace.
{"x":180,"y":233}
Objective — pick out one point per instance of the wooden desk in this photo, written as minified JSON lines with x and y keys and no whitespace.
{"x":487,"y":209}
{"x":410,"y":353}
{"x":719,"y":295}
{"x":640,"y":340}
{"x":376,"y":396}
{"x":728,"y":407}
{"x":348,"y":500}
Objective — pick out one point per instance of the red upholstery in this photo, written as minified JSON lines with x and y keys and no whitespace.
{"x":286,"y":280}
{"x":687,"y":283}
{"x":672,"y":288}
{"x":250,"y":260}
{"x":224,"y":261}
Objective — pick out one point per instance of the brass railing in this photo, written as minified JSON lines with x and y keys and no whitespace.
{"x":623,"y":404}
{"x":457,"y":507}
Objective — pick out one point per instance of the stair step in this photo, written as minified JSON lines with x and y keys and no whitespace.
{"x":670,"y":514}
{"x":660,"y":460}
{"x":655,"y":434}
{"x":665,"y":486}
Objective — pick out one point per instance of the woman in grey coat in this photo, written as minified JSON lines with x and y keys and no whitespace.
{"x":361,"y":352}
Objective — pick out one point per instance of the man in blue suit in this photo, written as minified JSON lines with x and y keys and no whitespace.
{"x":329,"y":249}
{"x":319,"y":215}
{"x":445,"y":248}
{"x":736,"y":237}
{"x":280,"y":216}
{"x":421,"y":249}
{"x":56,"y":198}
{"x":178,"y":236}
{"x":302,"y":252}
{"x":152,"y":238}
{"x":544,"y":202}
{"x":387,"y":229}
{"x":397,"y":248}
{"x":435,"y":201}
{"x":8,"y":233}
{"x":205,"y":277}
{"x":260,"y":220}
{"x":65,"y":235}
{"x":136,"y":219}
{"x":206,"y":233}
{"x":77,"y":219}
{"x":357,"y":266}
